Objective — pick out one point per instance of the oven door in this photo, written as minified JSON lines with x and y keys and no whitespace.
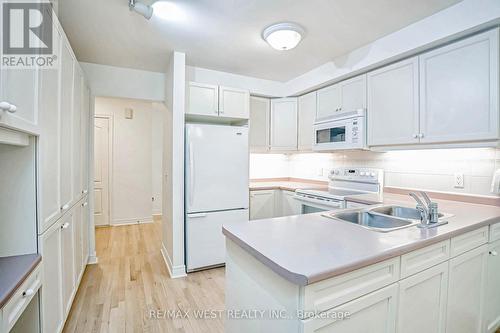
{"x":340,"y":134}
{"x":309,"y":204}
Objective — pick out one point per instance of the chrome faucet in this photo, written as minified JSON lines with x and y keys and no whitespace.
{"x":428,"y":211}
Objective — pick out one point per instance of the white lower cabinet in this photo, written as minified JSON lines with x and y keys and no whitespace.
{"x":492,"y":294}
{"x":466,"y":291}
{"x":262,"y":204}
{"x":67,"y":259}
{"x":289,"y":206}
{"x":422,"y":301}
{"x":374,"y":313}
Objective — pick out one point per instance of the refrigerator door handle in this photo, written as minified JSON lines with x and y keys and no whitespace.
{"x":197,"y":215}
{"x":191,"y":173}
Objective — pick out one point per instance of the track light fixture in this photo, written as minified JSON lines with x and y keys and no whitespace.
{"x":139,"y":7}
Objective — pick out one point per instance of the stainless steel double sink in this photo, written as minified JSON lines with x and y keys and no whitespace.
{"x":383,"y":218}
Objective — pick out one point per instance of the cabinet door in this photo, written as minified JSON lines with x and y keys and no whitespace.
{"x":289,"y":206}
{"x":85,"y":138}
{"x":492,"y":295}
{"x":49,"y":140}
{"x":262,"y":204}
{"x":466,"y":291}
{"x":353,"y":94}
{"x":77,"y":144}
{"x":329,"y":102}
{"x":234,"y":103}
{"x":203,"y":99}
{"x":85,"y":232}
{"x":393,"y":104}
{"x":459,"y":90}
{"x":307,"y":112}
{"x":51,"y":291}
{"x":423,"y":295}
{"x":284,"y":124}
{"x":68,"y":261}
{"x":66,"y":177}
{"x":77,"y":243}
{"x":374,"y":313}
{"x":259,"y":124}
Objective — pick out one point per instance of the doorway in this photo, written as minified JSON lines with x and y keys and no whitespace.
{"x":102,"y":162}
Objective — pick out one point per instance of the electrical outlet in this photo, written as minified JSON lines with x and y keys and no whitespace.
{"x":320,"y":171}
{"x":459,"y":180}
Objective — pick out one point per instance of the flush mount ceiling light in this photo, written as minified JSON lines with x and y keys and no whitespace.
{"x":283,"y":36}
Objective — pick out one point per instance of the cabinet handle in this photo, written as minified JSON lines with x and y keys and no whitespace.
{"x":65,"y":225}
{"x":5,"y":106}
{"x":85,"y":191}
{"x":85,"y":204}
{"x":421,"y":135}
{"x":28,"y":293}
{"x":494,"y":253}
{"x":415,"y":136}
{"x":12,"y":108}
{"x":66,"y":206}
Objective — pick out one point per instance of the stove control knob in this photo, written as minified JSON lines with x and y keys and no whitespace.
{"x":362,"y":173}
{"x":372,"y":174}
{"x":336,"y":172}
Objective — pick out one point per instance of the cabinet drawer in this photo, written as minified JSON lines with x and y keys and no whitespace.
{"x":469,"y":241}
{"x":329,"y":293}
{"x":494,"y":232}
{"x":22,"y":297}
{"x":422,"y":259}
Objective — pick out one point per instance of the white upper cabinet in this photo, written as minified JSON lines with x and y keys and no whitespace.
{"x":85,"y":137}
{"x":353,"y":94}
{"x":260,"y":109}
{"x":284,"y":124}
{"x":203,"y":99}
{"x":459,"y":90}
{"x":307,"y":111}
{"x":393,"y":104}
{"x":77,"y":119}
{"x":329,"y":102}
{"x":234,"y":103}
{"x":217,"y":101}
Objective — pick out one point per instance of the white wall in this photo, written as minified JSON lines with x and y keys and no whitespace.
{"x":423,"y":169}
{"x":159,"y":111}
{"x":134,"y":157}
{"x":173,"y":166}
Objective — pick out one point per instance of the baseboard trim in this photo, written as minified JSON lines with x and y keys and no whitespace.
{"x":93,"y":260}
{"x":141,"y":220}
{"x":174,"y":271}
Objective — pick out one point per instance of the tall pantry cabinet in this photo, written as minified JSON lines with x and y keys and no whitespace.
{"x":63,"y":176}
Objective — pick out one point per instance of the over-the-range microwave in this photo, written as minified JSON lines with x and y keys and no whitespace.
{"x":344,"y":131}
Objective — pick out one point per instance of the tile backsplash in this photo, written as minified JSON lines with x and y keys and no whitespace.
{"x":432,"y":170}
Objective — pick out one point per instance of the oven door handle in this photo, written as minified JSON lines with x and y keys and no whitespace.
{"x":332,"y":204}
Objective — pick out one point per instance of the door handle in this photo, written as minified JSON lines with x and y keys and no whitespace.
{"x":191,"y":173}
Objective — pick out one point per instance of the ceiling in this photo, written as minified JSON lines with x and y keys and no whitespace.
{"x":225,"y":34}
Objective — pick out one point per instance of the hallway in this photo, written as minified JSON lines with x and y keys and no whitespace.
{"x":131,"y":279}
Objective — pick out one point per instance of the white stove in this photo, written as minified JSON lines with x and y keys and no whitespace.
{"x":342,"y":182}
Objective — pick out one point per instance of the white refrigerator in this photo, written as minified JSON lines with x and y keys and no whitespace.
{"x":216,"y":189}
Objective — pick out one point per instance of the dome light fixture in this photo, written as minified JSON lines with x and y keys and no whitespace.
{"x":283,"y":36}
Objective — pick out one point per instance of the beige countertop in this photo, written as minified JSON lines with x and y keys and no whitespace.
{"x":309,"y":248}
{"x":290,"y":184}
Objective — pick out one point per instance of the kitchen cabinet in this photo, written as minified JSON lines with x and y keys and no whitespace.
{"x":459,"y":90}
{"x":77,"y":120}
{"x":345,"y":96}
{"x":85,"y":232}
{"x":423,"y":295}
{"x":307,"y":114}
{"x":217,"y":101}
{"x":289,"y":206}
{"x":259,"y":122}
{"x":492,"y":294}
{"x":466,"y":286}
{"x":393,"y":114}
{"x":85,"y":139}
{"x":67,"y":261}
{"x":234,"y":103}
{"x":284,"y":124}
{"x":77,"y":243}
{"x":66,"y":143}
{"x":262,"y":204}
{"x":51,"y":293}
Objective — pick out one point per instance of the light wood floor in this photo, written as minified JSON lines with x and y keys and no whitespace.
{"x":117,"y":294}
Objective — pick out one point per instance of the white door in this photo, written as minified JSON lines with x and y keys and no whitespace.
{"x":329,"y":102}
{"x":307,"y":114}
{"x":259,"y":124}
{"x":492,"y":295}
{"x":466,"y":291}
{"x":102,"y":156}
{"x":262,"y":204}
{"x":423,"y":295}
{"x":216,"y":167}
{"x":49,"y":141}
{"x":203,"y":99}
{"x":373,"y":313}
{"x":51,"y":291}
{"x":205,"y":243}
{"x":66,"y":176}
{"x":68,"y":261}
{"x":284,"y":124}
{"x":353,"y":94}
{"x":234,"y":103}
{"x":393,"y":104}
{"x":459,"y":90}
